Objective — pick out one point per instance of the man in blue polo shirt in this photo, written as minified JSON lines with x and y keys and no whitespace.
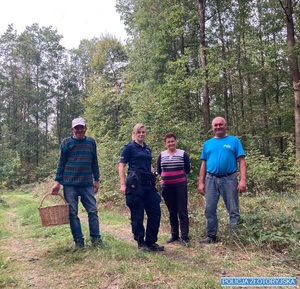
{"x":221,"y":157}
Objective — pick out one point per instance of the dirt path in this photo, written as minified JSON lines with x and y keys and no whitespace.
{"x":26,"y":254}
{"x":27,"y":257}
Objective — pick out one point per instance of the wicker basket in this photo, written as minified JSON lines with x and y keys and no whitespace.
{"x":53,"y":215}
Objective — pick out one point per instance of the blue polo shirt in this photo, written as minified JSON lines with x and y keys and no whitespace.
{"x":137,"y":157}
{"x":221,"y":154}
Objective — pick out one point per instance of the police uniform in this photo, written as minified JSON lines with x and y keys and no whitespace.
{"x":141,"y":194}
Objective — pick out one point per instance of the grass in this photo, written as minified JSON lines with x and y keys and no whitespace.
{"x":43,"y":257}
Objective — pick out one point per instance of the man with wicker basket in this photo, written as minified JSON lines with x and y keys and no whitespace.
{"x":78,"y":172}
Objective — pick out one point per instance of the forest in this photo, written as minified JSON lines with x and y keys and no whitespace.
{"x":184,"y":62}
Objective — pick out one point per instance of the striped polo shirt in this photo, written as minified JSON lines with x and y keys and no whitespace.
{"x":173,"y":168}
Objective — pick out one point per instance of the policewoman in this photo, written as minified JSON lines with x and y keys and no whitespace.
{"x":139,"y":190}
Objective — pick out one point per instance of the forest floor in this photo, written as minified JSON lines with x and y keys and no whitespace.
{"x":37,"y":257}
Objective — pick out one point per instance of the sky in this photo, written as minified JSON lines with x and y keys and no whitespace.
{"x":73,"y":19}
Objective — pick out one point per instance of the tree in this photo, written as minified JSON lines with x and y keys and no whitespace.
{"x":203,"y":60}
{"x":106,"y":109}
{"x":39,"y":52}
{"x":29,"y":70}
{"x":294,"y":70}
{"x":105,"y":83}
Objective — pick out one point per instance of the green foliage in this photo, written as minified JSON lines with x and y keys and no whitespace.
{"x":11,"y":171}
{"x":109,"y":180}
{"x":267,"y":174}
{"x":156,"y":78}
{"x":105,"y":108}
{"x":295,"y":222}
{"x":271,"y":221}
{"x":40,"y":83}
{"x":8,"y":281}
{"x":271,"y":231}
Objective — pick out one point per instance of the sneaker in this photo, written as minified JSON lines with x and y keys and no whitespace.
{"x":78,"y":247}
{"x":155,"y":247}
{"x":172,"y":239}
{"x":209,"y":240}
{"x":98,"y":243}
{"x":79,"y":243}
{"x":184,"y":243}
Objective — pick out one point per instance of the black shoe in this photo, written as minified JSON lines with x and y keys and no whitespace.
{"x":172,"y":239}
{"x":155,"y":247}
{"x":209,"y":240}
{"x":144,"y":247}
{"x":185,"y":243}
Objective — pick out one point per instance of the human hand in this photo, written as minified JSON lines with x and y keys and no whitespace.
{"x":123,"y":189}
{"x":201,"y":189}
{"x":242,"y":186}
{"x":96,"y":187}
{"x":55,"y":188}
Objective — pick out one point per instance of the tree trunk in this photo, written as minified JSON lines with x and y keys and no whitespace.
{"x":294,"y":70}
{"x":202,"y":56}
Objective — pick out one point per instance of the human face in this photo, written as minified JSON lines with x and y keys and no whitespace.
{"x":79,"y":131}
{"x":170,"y":144}
{"x":219,"y":127}
{"x":140,"y":135}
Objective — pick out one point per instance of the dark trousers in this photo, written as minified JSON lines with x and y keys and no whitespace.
{"x":148,"y":200}
{"x":176,"y":199}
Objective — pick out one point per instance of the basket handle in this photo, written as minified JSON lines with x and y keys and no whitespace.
{"x":49,"y":194}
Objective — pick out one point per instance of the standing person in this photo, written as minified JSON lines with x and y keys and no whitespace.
{"x":139,"y":189}
{"x":173,"y":165}
{"x":78,"y":172}
{"x":220,"y":158}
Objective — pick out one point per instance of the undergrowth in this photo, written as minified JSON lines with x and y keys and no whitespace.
{"x":265,"y":243}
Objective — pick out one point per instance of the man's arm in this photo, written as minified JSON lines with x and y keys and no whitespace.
{"x":59,"y":173}
{"x":243,"y":174}
{"x":202,"y":174}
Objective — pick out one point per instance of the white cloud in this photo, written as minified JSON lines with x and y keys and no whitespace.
{"x":74,"y":19}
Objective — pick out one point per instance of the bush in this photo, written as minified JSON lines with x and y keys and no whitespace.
{"x":11,"y":171}
{"x":271,"y":221}
{"x":266,"y":175}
